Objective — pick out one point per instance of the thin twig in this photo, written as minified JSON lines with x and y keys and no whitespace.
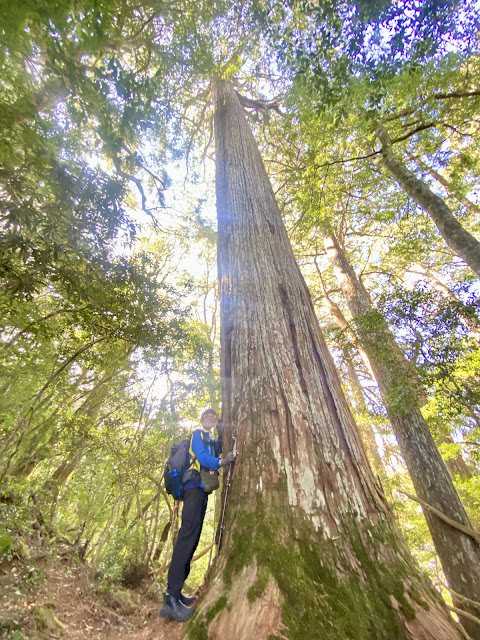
{"x":202,"y":553}
{"x":329,"y":164}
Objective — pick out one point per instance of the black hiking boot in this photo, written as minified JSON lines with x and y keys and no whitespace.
{"x":174,"y":609}
{"x":187,"y":600}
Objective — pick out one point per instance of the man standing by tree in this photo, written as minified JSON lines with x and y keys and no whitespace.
{"x":200,"y":479}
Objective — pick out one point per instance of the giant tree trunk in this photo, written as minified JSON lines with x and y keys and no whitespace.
{"x":459,"y":553}
{"x":309,"y":548}
{"x":457,"y":238}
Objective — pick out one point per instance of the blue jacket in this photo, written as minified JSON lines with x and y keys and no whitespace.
{"x":205,"y":454}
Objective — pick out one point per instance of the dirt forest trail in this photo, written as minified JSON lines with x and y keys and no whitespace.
{"x":45,"y":600}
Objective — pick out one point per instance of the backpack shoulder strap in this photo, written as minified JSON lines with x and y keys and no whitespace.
{"x":194,"y":464}
{"x":206,"y":438}
{"x":206,"y":441}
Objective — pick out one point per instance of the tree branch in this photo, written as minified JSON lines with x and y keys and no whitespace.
{"x":21,"y":332}
{"x":436,"y":96}
{"x":456,"y":94}
{"x":459,"y":595}
{"x":259,"y":105}
{"x":376,"y":153}
{"x":467,"y":530}
{"x":466,"y":614}
{"x":138,"y":184}
{"x":330,"y":164}
{"x":422,"y":127}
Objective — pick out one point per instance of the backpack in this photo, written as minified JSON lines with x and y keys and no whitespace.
{"x":176,"y":466}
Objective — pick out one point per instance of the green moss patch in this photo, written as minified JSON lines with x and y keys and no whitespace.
{"x":220,"y":604}
{"x":320,"y":598}
{"x":260,"y":585}
{"x":197,"y":630}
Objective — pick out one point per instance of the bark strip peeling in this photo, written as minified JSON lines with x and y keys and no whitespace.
{"x":309,"y":549}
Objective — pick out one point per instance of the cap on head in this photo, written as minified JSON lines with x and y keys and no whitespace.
{"x":208,"y":410}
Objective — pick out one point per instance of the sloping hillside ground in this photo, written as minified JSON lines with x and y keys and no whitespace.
{"x":56,"y":596}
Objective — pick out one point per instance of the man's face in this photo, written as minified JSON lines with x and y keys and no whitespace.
{"x":209,"y":420}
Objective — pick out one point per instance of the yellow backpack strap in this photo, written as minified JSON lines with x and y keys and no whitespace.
{"x":195,"y":464}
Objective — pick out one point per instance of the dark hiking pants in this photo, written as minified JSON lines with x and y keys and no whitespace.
{"x":193,"y":514}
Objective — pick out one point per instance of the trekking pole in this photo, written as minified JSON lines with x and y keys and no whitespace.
{"x":226,"y":494}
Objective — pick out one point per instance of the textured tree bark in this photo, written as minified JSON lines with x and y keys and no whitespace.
{"x":458,"y":552}
{"x":457,"y":238}
{"x":309,"y":548}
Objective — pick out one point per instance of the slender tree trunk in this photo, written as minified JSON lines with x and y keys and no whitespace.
{"x":359,"y":401}
{"x":90,"y":410}
{"x":23,"y":424}
{"x":469,"y":321}
{"x":458,"y":552}
{"x":59,"y":477}
{"x":104,"y":535}
{"x":456,"y":465}
{"x":457,"y":238}
{"x":364,"y":425}
{"x":309,"y":548}
{"x":468,"y":204}
{"x":342,"y":322}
